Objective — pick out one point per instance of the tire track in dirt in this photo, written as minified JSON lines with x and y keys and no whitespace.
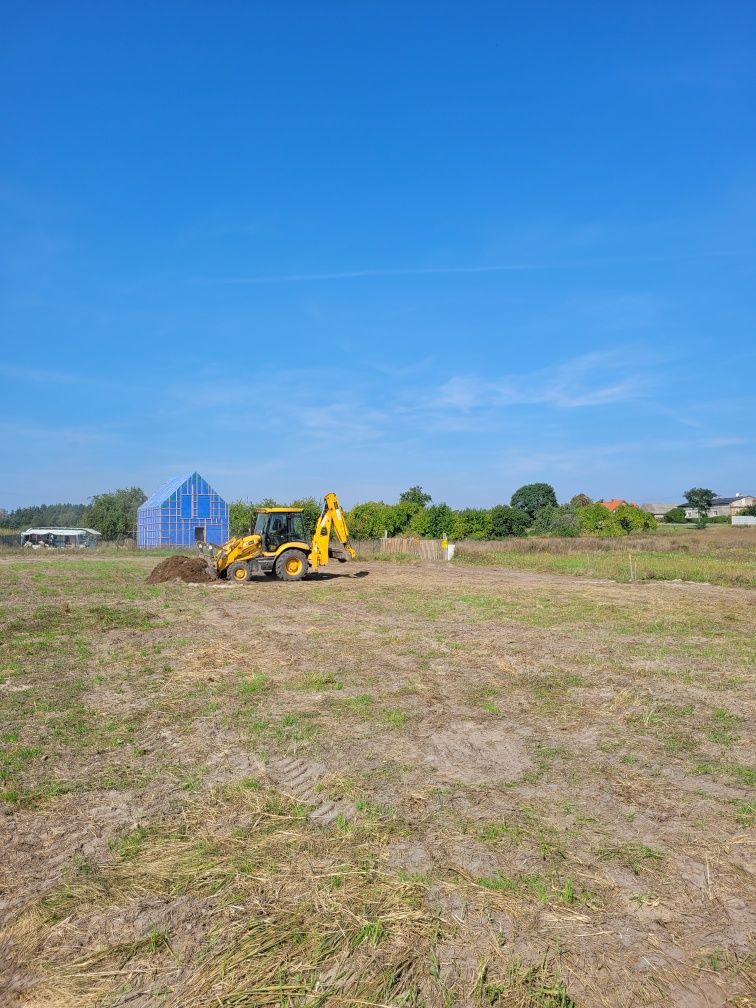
{"x":299,"y":778}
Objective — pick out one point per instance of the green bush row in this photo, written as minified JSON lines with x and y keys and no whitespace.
{"x":533,"y":510}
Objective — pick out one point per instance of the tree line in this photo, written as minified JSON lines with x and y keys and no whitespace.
{"x":113,"y":514}
{"x":533,"y":510}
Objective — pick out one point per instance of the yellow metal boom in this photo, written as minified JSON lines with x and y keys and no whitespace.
{"x":331,"y":517}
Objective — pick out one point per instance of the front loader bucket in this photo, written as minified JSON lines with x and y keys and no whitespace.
{"x":208,"y":553}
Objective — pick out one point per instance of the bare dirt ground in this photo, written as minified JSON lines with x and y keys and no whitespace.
{"x":388,"y":785}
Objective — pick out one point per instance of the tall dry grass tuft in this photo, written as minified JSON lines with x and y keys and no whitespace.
{"x":293,"y":914}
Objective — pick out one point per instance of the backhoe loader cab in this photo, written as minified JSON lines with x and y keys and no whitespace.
{"x":280,"y":546}
{"x":277,"y":526}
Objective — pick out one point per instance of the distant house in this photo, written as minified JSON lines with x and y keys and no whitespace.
{"x":742,"y":501}
{"x":184,"y":511}
{"x":614,"y":503}
{"x":53,"y":536}
{"x":725,"y":507}
{"x":657,"y":509}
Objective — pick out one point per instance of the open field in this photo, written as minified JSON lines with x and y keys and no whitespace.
{"x":393,"y":784}
{"x":720,"y":554}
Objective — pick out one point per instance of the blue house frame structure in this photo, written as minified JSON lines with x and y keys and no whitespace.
{"x":182,"y":512}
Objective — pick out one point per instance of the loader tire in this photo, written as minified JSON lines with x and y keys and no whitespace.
{"x":291,"y":565}
{"x":237,"y":572}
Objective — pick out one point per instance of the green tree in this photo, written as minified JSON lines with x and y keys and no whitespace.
{"x":47,"y":514}
{"x":115,"y":514}
{"x":580,"y":500}
{"x":415,"y":497}
{"x":311,"y":512}
{"x":595,"y":519}
{"x":372,"y":519}
{"x":471,"y":523}
{"x":556,"y":521}
{"x":700,"y":499}
{"x":634,"y":519}
{"x":241,"y":516}
{"x":749,"y":511}
{"x":418,"y":523}
{"x":507,"y":521}
{"x":410,"y":502}
{"x":534,"y":496}
{"x":440,"y":521}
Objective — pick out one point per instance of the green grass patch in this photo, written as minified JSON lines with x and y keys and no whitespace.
{"x":544,"y":888}
{"x":252,"y":686}
{"x":638,"y":857}
{"x":734,"y":772}
{"x":616,"y":565}
{"x":320,"y":681}
{"x":367,"y":708}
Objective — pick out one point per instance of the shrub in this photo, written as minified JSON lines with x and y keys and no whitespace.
{"x":433,"y":522}
{"x":556,"y":521}
{"x":472,"y":523}
{"x":419,"y":523}
{"x":676,"y":516}
{"x":372,"y":519}
{"x":440,"y":521}
{"x":507,"y":521}
{"x":634,"y":519}
{"x":240,"y":517}
{"x":595,"y":519}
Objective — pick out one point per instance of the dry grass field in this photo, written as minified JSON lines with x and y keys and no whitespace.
{"x":394,"y":784}
{"x":719,"y":554}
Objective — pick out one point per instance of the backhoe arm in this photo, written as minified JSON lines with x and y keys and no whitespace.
{"x":331,"y":517}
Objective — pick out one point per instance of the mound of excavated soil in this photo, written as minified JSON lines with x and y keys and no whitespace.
{"x":193,"y":570}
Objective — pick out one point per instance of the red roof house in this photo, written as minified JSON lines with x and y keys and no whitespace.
{"x":614,"y":503}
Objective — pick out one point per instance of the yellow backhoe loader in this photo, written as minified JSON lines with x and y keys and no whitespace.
{"x":279,"y":545}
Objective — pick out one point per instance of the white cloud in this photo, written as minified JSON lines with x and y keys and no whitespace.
{"x":595,"y":379}
{"x":21,"y":432}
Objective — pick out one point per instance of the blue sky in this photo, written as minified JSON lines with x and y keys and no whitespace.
{"x":362,"y":245}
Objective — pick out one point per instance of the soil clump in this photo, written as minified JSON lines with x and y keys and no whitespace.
{"x":192,"y":570}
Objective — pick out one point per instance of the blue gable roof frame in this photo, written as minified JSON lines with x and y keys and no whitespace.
{"x":184,"y":511}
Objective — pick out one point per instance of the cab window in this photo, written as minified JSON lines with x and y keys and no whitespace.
{"x":297,"y":527}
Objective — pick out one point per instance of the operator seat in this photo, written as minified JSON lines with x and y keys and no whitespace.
{"x":276,"y":536}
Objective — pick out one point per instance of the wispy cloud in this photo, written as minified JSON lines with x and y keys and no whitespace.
{"x":39,"y":375}
{"x":345,"y":421}
{"x":408,"y":271}
{"x":48,"y":376}
{"x":723,"y":442}
{"x":390,"y":272}
{"x":594,"y":379}
{"x":21,"y":432}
